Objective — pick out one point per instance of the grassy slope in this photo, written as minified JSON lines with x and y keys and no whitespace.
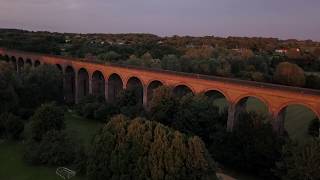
{"x":12,"y":166}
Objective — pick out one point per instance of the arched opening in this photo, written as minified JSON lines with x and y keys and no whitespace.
{"x":181,"y":90}
{"x":59,"y":67}
{"x":20,"y":64}
{"x":295,"y":120}
{"x":83,"y":83}
{"x":6,"y":58}
{"x":251,"y":105}
{"x":98,"y":84}
{"x":134,"y":84}
{"x":70,"y":85}
{"x":218,"y":99}
{"x":14,"y":63}
{"x":37,"y":63}
{"x":29,"y":62}
{"x":115,"y":86}
{"x":152,"y":86}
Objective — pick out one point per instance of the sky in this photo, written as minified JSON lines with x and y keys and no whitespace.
{"x":283,"y":19}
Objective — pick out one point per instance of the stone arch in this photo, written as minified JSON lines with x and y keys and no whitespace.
{"x":59,"y":67}
{"x":135,"y":84}
{"x":98,"y":84}
{"x":293,"y":119}
{"x":251,"y":103}
{"x":115,"y":86}
{"x":218,"y":97}
{"x":182,"y":90}
{"x":14,"y":63}
{"x":6,"y":58}
{"x":83,"y":83}
{"x":20,"y":64}
{"x":151,"y":87}
{"x":70,"y":86}
{"x":37,"y":63}
{"x":29,"y":62}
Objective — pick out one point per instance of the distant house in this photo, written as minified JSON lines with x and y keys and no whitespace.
{"x":281,"y":51}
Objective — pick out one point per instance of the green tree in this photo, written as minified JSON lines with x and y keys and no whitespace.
{"x":300,"y":162}
{"x":289,"y":74}
{"x":55,"y":148}
{"x":8,"y":96}
{"x":40,"y":85}
{"x":11,"y":126}
{"x":46,"y":118}
{"x":163,"y":105}
{"x":141,"y":149}
{"x":198,"y":115}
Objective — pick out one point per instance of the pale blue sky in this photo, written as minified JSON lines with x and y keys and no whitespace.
{"x":269,"y":18}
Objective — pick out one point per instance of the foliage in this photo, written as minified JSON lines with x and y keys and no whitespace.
{"x":163,"y":105}
{"x":47,"y":117}
{"x":198,"y":115}
{"x":313,"y":129}
{"x":11,"y":126}
{"x":128,"y":102}
{"x":40,"y":85}
{"x":300,"y":162}
{"x":252,"y":146}
{"x":55,"y":148}
{"x":8,"y":95}
{"x":289,"y":74}
{"x":141,"y":149}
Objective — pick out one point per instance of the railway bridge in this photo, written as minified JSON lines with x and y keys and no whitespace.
{"x":83,"y":77}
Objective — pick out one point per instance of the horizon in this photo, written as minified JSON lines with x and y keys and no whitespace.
{"x":161,"y":36}
{"x":287,"y":19}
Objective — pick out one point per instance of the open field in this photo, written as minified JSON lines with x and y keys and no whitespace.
{"x":12,"y":166}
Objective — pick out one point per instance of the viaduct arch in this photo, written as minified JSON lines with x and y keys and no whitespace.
{"x":90,"y":77}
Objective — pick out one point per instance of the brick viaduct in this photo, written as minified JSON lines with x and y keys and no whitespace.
{"x":83,"y":77}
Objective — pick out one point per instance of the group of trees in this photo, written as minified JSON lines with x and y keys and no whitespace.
{"x":245,"y":58}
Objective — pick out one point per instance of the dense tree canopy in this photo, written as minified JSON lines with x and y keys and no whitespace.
{"x":141,"y":149}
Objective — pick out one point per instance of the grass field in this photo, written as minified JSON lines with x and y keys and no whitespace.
{"x":12,"y":166}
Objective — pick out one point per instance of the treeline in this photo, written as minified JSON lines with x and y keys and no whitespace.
{"x":254,"y":59}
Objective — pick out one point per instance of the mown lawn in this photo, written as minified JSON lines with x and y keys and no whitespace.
{"x":12,"y":166}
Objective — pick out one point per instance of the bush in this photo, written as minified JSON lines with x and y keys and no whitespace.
{"x":300,"y":162}
{"x":11,"y":126}
{"x":46,"y":118}
{"x":55,"y":148}
{"x":141,"y":149}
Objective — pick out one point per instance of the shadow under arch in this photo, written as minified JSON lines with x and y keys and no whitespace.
{"x":219,"y":98}
{"x":182,"y":90}
{"x":98,"y":84}
{"x":151,"y":87}
{"x":83,"y":83}
{"x":69,"y":86}
{"x":115,"y":86}
{"x":294,"y":119}
{"x":252,"y":104}
{"x":135,"y":85}
{"x":29,"y":62}
{"x":14,"y":63}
